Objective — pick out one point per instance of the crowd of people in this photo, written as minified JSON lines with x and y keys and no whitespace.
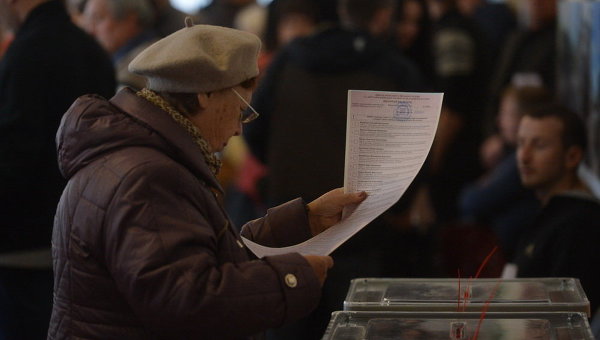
{"x":145,"y":239}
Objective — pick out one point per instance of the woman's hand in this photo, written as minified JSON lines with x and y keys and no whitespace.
{"x":326,"y":210}
{"x":320,"y":264}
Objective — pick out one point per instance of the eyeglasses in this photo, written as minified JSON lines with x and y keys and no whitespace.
{"x":249,"y":114}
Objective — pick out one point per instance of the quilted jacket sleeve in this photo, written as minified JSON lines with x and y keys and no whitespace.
{"x":175,"y":271}
{"x":283,"y":226}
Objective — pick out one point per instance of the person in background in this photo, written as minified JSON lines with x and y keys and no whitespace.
{"x":303,"y":100}
{"x":563,"y":240}
{"x":461,"y":67}
{"x":291,"y":96}
{"x":496,"y":19}
{"x":529,"y":53}
{"x":460,"y":72}
{"x":498,"y":199}
{"x":142,"y":245}
{"x":413,"y":34}
{"x":124,"y":29}
{"x":287,"y":20}
{"x":49,"y":64}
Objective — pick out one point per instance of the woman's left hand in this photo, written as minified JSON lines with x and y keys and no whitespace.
{"x":326,"y":210}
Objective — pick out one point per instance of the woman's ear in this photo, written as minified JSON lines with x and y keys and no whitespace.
{"x":203,"y":100}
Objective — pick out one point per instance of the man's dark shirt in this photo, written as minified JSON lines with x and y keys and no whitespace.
{"x":563,"y":242}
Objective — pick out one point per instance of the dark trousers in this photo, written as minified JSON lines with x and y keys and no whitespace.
{"x":25,"y":303}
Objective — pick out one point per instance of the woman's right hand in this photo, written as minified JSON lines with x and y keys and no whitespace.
{"x":320,"y":265}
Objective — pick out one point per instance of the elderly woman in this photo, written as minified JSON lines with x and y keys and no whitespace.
{"x":142,"y":247}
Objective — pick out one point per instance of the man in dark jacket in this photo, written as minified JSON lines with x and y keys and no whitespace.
{"x":302,"y":98}
{"x":563,"y":240}
{"x":48,"y":65}
{"x":142,"y":246}
{"x":302,"y":135}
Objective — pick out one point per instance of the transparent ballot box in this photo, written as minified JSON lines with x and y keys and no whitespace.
{"x":379,"y":325}
{"x":437,"y":295}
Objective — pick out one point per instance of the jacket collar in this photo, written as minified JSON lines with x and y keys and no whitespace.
{"x":127,"y":101}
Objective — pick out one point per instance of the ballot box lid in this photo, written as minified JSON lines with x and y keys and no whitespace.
{"x":382,"y":325}
{"x":470,"y":295}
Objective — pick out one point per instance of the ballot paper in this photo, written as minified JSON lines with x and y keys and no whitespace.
{"x":388,"y":137}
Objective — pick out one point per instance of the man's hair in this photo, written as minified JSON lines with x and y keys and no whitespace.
{"x":573,"y":132}
{"x":143,"y":8}
{"x":528,"y":98}
{"x":358,"y":14}
{"x":187,"y":103}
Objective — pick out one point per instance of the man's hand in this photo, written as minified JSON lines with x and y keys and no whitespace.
{"x":326,"y":210}
{"x":491,"y":151}
{"x":320,"y":264}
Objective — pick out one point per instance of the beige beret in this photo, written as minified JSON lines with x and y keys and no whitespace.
{"x":199,"y":58}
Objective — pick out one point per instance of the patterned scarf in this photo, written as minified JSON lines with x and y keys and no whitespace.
{"x":214,"y":163}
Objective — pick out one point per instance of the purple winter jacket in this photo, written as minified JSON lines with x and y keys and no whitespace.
{"x":143,"y":249}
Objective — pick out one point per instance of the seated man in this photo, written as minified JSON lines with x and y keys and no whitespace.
{"x":498,"y":199}
{"x":563,"y":240}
